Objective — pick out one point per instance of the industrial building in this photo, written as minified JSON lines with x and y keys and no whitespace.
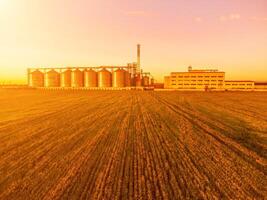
{"x":239,"y":85}
{"x":128,"y":76}
{"x":210,"y":79}
{"x":131,"y":76}
{"x":195,"y":79}
{"x":260,"y":86}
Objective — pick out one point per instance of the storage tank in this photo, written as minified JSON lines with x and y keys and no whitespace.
{"x":118,"y":78}
{"x":77,"y":78}
{"x":138,"y":81}
{"x":133,"y":81}
{"x":36,"y":79}
{"x":52,"y":79}
{"x":152,"y":82}
{"x":65,"y":78}
{"x":127,"y":79}
{"x":104,"y":78}
{"x":90,"y":78}
{"x":145,"y":81}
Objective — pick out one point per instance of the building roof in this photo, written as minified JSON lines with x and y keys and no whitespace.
{"x":260,"y":83}
{"x":191,"y":72}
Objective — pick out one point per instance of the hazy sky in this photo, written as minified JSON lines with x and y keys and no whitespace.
{"x":230,"y":35}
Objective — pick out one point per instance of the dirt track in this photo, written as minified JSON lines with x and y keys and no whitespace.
{"x":132,"y":145}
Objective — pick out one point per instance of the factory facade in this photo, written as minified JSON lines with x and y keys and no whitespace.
{"x":211,"y":79}
{"x":195,"y":79}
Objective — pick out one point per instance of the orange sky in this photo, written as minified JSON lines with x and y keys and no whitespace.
{"x":230,"y":35}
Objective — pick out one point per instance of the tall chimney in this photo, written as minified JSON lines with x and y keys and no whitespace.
{"x":138,"y":58}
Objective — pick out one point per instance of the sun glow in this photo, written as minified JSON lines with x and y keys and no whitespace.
{"x":3,"y":3}
{"x":49,"y":33}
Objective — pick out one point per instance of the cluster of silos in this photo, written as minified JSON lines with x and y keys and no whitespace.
{"x":80,"y":78}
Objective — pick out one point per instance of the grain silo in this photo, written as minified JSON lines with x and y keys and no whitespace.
{"x":127,"y":79}
{"x":52,"y":79}
{"x":145,"y":81}
{"x":77,"y":78}
{"x":104,"y":78}
{"x":36,"y":79}
{"x":65,"y":78}
{"x":118,"y":78}
{"x":90,"y":78}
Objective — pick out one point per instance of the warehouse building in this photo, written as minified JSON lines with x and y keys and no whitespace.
{"x":260,"y":85}
{"x":209,"y":80}
{"x":239,"y":85}
{"x":195,"y":79}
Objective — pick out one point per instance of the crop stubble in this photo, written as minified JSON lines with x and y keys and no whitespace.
{"x":132,"y":145}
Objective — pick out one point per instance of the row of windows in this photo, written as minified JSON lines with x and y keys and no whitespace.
{"x":240,"y":88}
{"x":193,"y":88}
{"x":238,"y":84}
{"x":197,"y":76}
{"x":196,"y":80}
{"x":197,"y":84}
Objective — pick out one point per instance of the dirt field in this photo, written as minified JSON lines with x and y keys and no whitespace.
{"x":132,"y":145}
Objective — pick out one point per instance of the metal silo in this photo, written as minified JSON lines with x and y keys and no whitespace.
{"x":145,"y":81}
{"x":127,"y":79}
{"x":90,"y":78}
{"x":152,"y":81}
{"x":36,"y":79}
{"x":104,"y":78}
{"x":52,"y":79}
{"x":118,"y":78}
{"x":138,"y":80}
{"x":65,"y":78}
{"x":77,"y":78}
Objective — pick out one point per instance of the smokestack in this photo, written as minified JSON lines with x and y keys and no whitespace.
{"x":138,"y":58}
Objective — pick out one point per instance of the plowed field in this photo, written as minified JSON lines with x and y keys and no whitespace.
{"x":132,"y":145}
